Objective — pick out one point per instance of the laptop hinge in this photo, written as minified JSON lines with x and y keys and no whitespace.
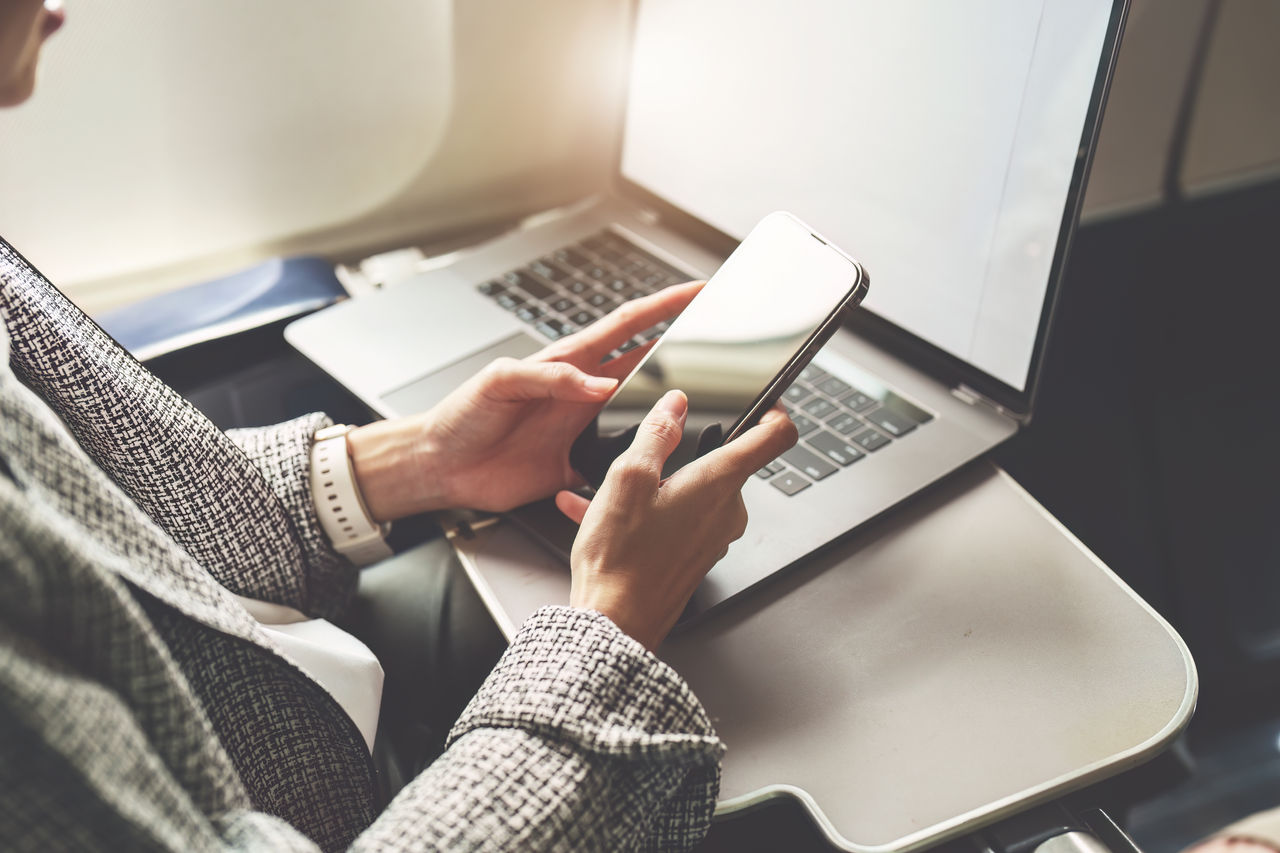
{"x":647,"y":215}
{"x":977,"y":398}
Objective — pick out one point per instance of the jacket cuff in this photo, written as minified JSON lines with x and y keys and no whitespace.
{"x":283,"y":453}
{"x":575,"y":677}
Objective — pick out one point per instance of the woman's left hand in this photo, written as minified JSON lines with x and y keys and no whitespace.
{"x":502,"y":439}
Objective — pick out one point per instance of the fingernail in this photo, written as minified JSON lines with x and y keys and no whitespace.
{"x":599,"y":384}
{"x":676,"y":404}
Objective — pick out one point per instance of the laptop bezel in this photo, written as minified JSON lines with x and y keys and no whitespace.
{"x":948,"y":368}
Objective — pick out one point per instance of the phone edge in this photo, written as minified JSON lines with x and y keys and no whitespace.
{"x":807,"y":352}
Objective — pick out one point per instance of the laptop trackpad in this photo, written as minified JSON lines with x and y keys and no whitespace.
{"x":421,"y":394}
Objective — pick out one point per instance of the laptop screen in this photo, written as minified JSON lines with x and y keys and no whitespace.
{"x":934,"y":141}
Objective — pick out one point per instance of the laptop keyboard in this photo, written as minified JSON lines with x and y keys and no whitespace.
{"x":839,"y":425}
{"x":578,"y":284}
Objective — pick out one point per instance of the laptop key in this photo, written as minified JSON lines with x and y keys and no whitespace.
{"x":803,"y":424}
{"x":584,"y":317}
{"x":576,"y":287}
{"x":563,"y":304}
{"x":570,"y":257}
{"x":869,"y":439}
{"x":529,"y":284}
{"x":819,"y":407}
{"x":858,"y":401}
{"x":769,"y":470}
{"x":602,"y":301}
{"x":673,"y":275}
{"x":844,"y":423}
{"x":833,"y":387}
{"x":890,"y":421}
{"x":812,"y":373}
{"x":548,"y":271}
{"x":618,"y":285}
{"x":554,"y":329}
{"x":529,"y":313}
{"x":789,"y":483}
{"x":796,"y":393}
{"x":834,"y":448}
{"x":509,"y":300}
{"x":490,"y":288}
{"x":808,"y":463}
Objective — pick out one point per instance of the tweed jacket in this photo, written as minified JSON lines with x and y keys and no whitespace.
{"x":142,"y":708}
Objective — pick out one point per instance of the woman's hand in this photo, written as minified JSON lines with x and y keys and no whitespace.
{"x":502,"y":439}
{"x":645,"y":543}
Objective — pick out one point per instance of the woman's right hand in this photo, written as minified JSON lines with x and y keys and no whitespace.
{"x":646,"y":543}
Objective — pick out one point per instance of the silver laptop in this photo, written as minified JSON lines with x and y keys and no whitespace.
{"x":946,"y":147}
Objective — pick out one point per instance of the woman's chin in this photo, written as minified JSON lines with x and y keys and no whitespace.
{"x":22,"y":83}
{"x":17,"y":90}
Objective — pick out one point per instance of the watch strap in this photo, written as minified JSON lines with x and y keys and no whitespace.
{"x":339,"y":505}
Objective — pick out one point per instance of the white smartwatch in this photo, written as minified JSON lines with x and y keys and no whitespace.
{"x":341,"y":510}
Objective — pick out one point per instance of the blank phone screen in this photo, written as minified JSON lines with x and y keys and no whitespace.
{"x":742,"y":330}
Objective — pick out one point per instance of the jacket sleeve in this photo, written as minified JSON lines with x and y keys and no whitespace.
{"x":101,"y":747}
{"x":78,"y":773}
{"x":580,"y":739}
{"x":245,"y":521}
{"x":283,"y":454}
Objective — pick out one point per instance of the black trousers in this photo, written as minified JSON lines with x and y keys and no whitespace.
{"x":436,"y":642}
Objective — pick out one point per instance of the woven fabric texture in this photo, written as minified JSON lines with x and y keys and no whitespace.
{"x":142,"y":708}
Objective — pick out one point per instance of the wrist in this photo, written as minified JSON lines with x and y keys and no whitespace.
{"x":613,"y":604}
{"x":394,"y":466}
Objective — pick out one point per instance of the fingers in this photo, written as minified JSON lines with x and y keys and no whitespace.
{"x":657,"y":438}
{"x":508,"y":380}
{"x":755,"y":448}
{"x":572,"y":505}
{"x":630,"y":319}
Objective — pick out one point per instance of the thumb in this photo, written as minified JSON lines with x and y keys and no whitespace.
{"x":659,"y":433}
{"x":572,"y":505}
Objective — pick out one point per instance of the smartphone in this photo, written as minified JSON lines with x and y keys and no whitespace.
{"x":737,"y":346}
